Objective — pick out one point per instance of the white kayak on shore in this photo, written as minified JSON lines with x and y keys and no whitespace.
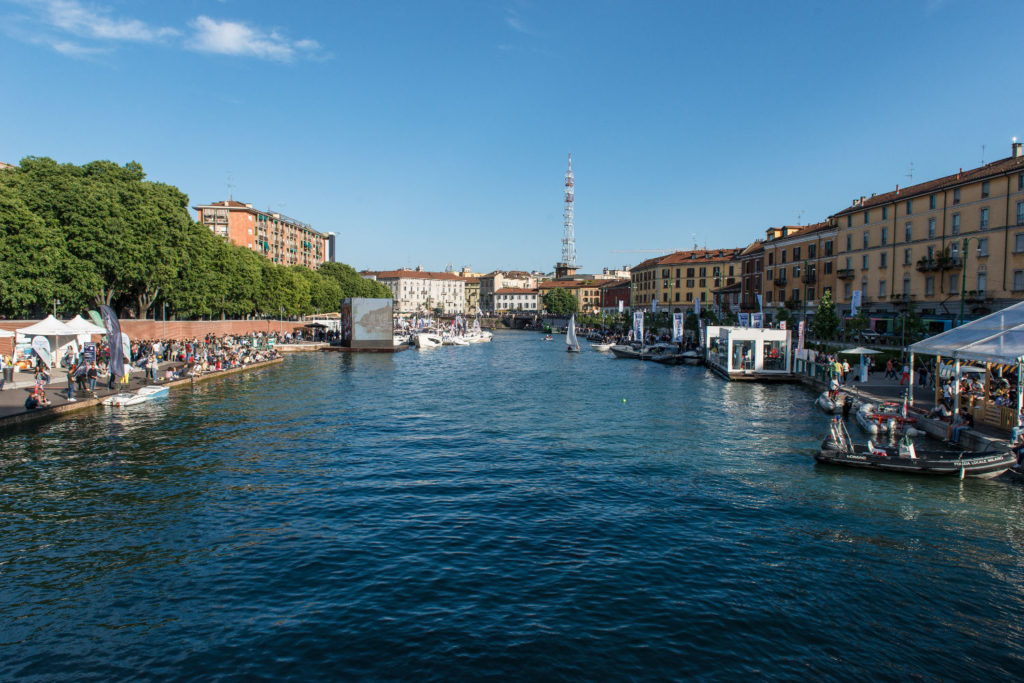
{"x":141,"y":396}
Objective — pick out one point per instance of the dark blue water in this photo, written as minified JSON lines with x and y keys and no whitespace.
{"x":495,"y":511}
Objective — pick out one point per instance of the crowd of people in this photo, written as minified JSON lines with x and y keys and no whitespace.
{"x":158,"y":360}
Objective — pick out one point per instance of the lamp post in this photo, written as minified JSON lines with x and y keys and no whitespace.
{"x":56,"y":303}
{"x":164,"y":306}
{"x":281,"y":320}
{"x":963,"y":278}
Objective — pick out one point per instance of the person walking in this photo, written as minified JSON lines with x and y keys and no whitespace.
{"x":905,"y":377}
{"x":846,"y":370}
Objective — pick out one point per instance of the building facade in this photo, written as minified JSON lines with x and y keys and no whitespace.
{"x":421,"y":291}
{"x":502,"y":279}
{"x":906,"y":248}
{"x":516,"y":299}
{"x":751,"y":276}
{"x":586,"y":292}
{"x":614,"y":291}
{"x":679,"y":279}
{"x":281,"y":239}
{"x":472,"y":294}
{"x":799,"y":266}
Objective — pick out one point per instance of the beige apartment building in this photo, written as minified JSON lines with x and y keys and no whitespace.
{"x":799,"y":265}
{"x":679,"y":279}
{"x":906,"y":247}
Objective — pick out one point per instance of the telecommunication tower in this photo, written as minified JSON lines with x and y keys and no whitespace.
{"x":567,"y":266}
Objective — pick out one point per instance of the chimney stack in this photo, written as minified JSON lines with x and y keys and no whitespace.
{"x":1017,"y":151}
{"x":897,"y":189}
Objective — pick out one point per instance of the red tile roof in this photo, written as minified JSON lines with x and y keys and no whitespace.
{"x":996,"y":168}
{"x":516,"y":290}
{"x":417,"y":274}
{"x":693,"y":256}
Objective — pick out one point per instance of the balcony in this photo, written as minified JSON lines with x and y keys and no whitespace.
{"x":925,"y":264}
{"x":977,"y":297}
{"x":950,"y":263}
{"x":845,"y":273}
{"x":809,"y":278}
{"x":780,"y":282}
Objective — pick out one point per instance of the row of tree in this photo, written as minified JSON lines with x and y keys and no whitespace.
{"x":102,"y":234}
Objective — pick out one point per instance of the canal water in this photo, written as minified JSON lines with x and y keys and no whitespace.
{"x":505,"y":510}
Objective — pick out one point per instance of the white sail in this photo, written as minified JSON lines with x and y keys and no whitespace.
{"x":570,"y":333}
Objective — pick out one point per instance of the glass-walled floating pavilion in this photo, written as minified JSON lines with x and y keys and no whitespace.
{"x":749,"y":353}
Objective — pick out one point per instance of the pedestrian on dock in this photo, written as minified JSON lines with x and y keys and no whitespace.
{"x":905,"y":378}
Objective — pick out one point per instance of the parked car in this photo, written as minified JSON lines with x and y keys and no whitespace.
{"x":870,"y":336}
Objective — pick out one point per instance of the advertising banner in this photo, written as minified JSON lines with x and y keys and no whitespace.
{"x":744,"y":319}
{"x":782,"y":325}
{"x":638,"y":325}
{"x":696,"y":308}
{"x":621,"y":306}
{"x":113,"y":326}
{"x":855,"y":302}
{"x":654,"y":305}
{"x":41,"y":345}
{"x":760,"y":304}
{"x":677,"y":327}
{"x":89,"y":352}
{"x":756,"y":320}
{"x":800,"y":337}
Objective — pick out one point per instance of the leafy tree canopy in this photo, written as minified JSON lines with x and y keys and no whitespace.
{"x":560,"y":301}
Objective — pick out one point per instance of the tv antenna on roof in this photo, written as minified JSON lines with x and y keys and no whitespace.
{"x":983,"y":155}
{"x":910,"y":171}
{"x":799,"y":216}
{"x":231,"y":187}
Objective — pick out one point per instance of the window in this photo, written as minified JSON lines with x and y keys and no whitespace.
{"x":846,"y":290}
{"x":689,"y":296}
{"x":848,"y":265}
{"x":983,"y":246}
{"x":954,"y":250}
{"x":867,"y":216}
{"x":1018,"y":242}
{"x":677,"y":275}
{"x":1018,"y":280}
{"x":956,"y":196}
{"x":812,"y":249}
{"x":796,"y":253}
{"x":885,"y":236}
{"x":910,"y":206}
{"x":703,"y":284}
{"x":954,"y":284}
{"x":689,"y":283}
{"x":677,"y":296}
{"x":982,"y":280}
{"x":931,"y":201}
{"x":828,"y":267}
{"x":908,"y":233}
{"x":796,"y":271}
{"x":716,"y":271}
{"x":881,"y":289}
{"x":906,"y":257}
{"x":703,"y":273}
{"x":689,"y":271}
{"x":882,"y":263}
{"x":849,"y":243}
{"x":828,"y":247}
{"x":867,"y":240}
{"x":931,"y":228}
{"x":1020,"y":213}
{"x":906,"y":286}
{"x":983,"y":219}
{"x":731,"y":268}
{"x":929,"y":286}
{"x":768,"y":296}
{"x":984,"y":189}
{"x":864,"y":262}
{"x":1020,"y":181}
{"x":796,"y":294}
{"x":782,"y":256}
{"x":956,"y":224}
{"x":885,"y":212}
{"x":810,"y":293}
{"x":849,"y":221}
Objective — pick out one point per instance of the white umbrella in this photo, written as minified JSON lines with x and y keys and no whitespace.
{"x":861,"y":351}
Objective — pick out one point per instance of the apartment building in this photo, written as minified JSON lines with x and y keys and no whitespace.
{"x":613,"y":292}
{"x":472,"y":288}
{"x":502,"y":279}
{"x":517,"y":299}
{"x":422,"y":291}
{"x":281,"y":239}
{"x":751,"y":276}
{"x":907,"y":247}
{"x":799,"y":265}
{"x":587,"y":292}
{"x":676,"y":280}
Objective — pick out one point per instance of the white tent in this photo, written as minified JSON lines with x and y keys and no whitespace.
{"x":995,"y":338}
{"x":59,"y":334}
{"x":85,"y":329}
{"x":5,"y":333}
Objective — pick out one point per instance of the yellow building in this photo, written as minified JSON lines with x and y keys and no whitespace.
{"x":679,"y":279}
{"x":799,"y":263}
{"x":587,"y":292}
{"x":907,"y":246}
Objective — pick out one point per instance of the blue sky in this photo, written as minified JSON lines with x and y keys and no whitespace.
{"x":437,"y":132}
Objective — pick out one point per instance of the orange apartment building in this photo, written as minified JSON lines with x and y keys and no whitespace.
{"x":281,"y":239}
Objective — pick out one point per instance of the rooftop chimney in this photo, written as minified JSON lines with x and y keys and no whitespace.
{"x":897,"y":189}
{"x":1017,"y":149}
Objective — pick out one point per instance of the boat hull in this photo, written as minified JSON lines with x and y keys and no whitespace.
{"x":983,"y":465}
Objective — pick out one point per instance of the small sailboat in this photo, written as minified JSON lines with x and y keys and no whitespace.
{"x":570,"y":336}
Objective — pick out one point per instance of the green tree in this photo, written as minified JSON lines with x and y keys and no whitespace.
{"x":560,"y":301}
{"x":826,"y":321}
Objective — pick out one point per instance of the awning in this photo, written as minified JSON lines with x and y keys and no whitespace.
{"x":995,"y":338}
{"x":48,"y":327}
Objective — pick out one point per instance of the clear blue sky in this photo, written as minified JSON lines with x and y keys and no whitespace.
{"x":437,"y":132}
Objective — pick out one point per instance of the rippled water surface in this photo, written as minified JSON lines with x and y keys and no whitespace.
{"x":505,"y":510}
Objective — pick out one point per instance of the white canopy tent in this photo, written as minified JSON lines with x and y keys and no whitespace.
{"x":85,"y":329}
{"x":6,"y":333}
{"x":59,"y":334}
{"x":995,"y":338}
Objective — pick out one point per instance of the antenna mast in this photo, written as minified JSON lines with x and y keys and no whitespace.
{"x":568,"y":226}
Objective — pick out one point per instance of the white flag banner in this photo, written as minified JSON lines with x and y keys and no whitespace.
{"x":800,"y":337}
{"x":621,"y":306}
{"x":696,"y":308}
{"x":638,"y":325}
{"x":654,"y":305}
{"x":756,"y":320}
{"x":855,"y":302}
{"x":744,"y":319}
{"x":677,"y":327}
{"x":782,"y":325}
{"x":760,"y":304}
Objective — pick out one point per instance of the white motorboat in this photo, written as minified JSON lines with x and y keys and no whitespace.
{"x":601,"y":347}
{"x":884,"y":418}
{"x":691,"y":357}
{"x":827,"y":405}
{"x":428,"y":340}
{"x":141,"y":396}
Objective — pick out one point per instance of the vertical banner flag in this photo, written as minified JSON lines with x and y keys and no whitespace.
{"x":638,"y":325}
{"x":621,"y":305}
{"x":89,"y":352}
{"x":782,"y":325}
{"x":696,"y":308}
{"x":800,"y":337}
{"x":677,"y":327}
{"x":760,"y":304}
{"x":114,"y":339}
{"x":126,"y":346}
{"x":654,"y":304}
{"x":756,"y":320}
{"x":41,"y":345}
{"x":855,"y":302}
{"x":744,"y":319}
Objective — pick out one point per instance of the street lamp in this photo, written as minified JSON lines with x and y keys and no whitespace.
{"x":165,"y":319}
{"x":281,"y":320}
{"x":963,"y":277}
{"x":56,"y":303}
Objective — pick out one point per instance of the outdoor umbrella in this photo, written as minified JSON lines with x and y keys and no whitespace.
{"x":861,"y":351}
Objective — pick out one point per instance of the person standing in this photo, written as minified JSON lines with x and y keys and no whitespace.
{"x":846,"y":370}
{"x":3,"y":366}
{"x":70,"y":373}
{"x":905,"y":378}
